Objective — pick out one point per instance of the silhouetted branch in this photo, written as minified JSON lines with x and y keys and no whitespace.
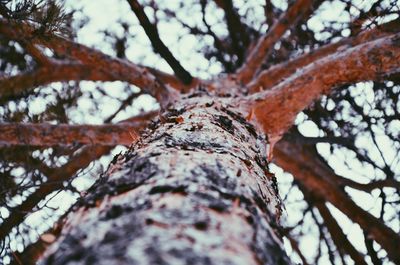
{"x":270,"y":13}
{"x":158,"y":44}
{"x":237,"y":31}
{"x":55,"y":182}
{"x":368,"y":187}
{"x":339,"y":238}
{"x":295,"y":246}
{"x":317,"y":177}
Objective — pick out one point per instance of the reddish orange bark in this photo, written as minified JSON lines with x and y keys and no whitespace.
{"x":64,"y":134}
{"x":276,"y":109}
{"x":299,"y":10}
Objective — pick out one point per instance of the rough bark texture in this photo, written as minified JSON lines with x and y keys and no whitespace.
{"x":194,"y":190}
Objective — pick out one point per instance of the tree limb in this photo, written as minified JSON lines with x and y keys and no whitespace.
{"x":276,"y":109}
{"x":55,"y":182}
{"x":320,"y":179}
{"x":295,"y":13}
{"x":158,"y":44}
{"x":274,"y":75}
{"x":15,"y":86}
{"x":36,"y":54}
{"x":368,"y":187}
{"x":237,"y":31}
{"x":114,"y":68}
{"x":56,"y":179}
{"x":295,"y":246}
{"x":339,"y":238}
{"x":42,"y":134}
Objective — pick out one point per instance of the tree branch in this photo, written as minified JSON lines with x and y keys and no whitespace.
{"x":320,"y":179}
{"x":15,"y":86}
{"x":158,"y":44}
{"x":368,"y":187}
{"x":113,"y":68}
{"x":36,"y":54}
{"x":277,"y":73}
{"x":23,"y":134}
{"x":294,"y":14}
{"x":271,"y":13}
{"x":237,"y":31}
{"x":295,"y":246}
{"x":339,"y":238}
{"x":18,"y":158}
{"x":56,"y":179}
{"x":276,"y":109}
{"x":55,"y":182}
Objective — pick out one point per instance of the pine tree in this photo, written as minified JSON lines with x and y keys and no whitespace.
{"x":195,"y":185}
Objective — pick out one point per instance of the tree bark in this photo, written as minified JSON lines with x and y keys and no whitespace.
{"x":194,"y":190}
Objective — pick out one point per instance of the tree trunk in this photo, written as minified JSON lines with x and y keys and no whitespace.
{"x":194,"y":190}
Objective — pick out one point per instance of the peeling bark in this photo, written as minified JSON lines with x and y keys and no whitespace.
{"x":194,"y":190}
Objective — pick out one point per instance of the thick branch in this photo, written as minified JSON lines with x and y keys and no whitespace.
{"x":21,"y":84}
{"x":158,"y":44}
{"x":277,"y":73}
{"x":276,"y":109}
{"x":295,"y":13}
{"x":58,"y":176}
{"x":36,"y":54}
{"x":64,"y":134}
{"x":320,"y":179}
{"x":114,"y":68}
